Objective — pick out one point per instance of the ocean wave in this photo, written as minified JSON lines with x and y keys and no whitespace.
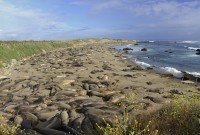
{"x":151,"y":41}
{"x":195,"y":74}
{"x":189,"y":42}
{"x":170,"y":70}
{"x":193,"y":48}
{"x":143,"y":65}
{"x":162,"y":70}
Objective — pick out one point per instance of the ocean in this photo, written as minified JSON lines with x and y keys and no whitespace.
{"x":168,"y":57}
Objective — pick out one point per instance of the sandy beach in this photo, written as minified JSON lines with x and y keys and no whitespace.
{"x":70,"y":90}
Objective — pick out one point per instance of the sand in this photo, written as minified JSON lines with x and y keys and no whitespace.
{"x":75,"y":88}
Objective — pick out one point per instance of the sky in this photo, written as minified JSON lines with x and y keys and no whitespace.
{"x":124,"y":19}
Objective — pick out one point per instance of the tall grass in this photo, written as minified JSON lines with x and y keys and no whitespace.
{"x":20,"y":49}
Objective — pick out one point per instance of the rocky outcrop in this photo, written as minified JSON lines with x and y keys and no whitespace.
{"x":144,"y":49}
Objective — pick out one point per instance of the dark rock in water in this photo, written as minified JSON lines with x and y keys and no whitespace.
{"x":144,"y":49}
{"x":190,"y":77}
{"x":169,"y":51}
{"x":136,"y":44}
{"x":127,"y":48}
{"x":198,"y":53}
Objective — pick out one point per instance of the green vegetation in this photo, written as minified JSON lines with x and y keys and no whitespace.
{"x":7,"y":128}
{"x":181,"y":117}
{"x":21,"y":49}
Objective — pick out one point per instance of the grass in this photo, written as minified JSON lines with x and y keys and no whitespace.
{"x":181,"y":117}
{"x":21,"y":49}
{"x":7,"y":128}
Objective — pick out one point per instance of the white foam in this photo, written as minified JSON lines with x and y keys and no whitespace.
{"x":190,"y":42}
{"x":195,"y":74}
{"x":193,"y":48}
{"x":151,"y":41}
{"x":143,"y":65}
{"x":172,"y":71}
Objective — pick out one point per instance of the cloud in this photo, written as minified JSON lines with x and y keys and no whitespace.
{"x":29,"y":23}
{"x":175,"y":17}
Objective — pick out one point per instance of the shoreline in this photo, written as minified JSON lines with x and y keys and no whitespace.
{"x":84,"y":84}
{"x":186,"y":77}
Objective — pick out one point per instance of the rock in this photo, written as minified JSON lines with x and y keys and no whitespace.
{"x":198,"y":51}
{"x":127,"y":49}
{"x":144,"y":49}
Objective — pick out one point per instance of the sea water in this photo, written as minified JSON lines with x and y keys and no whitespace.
{"x":172,"y":57}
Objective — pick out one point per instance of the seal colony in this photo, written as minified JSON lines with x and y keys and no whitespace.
{"x":71,"y":91}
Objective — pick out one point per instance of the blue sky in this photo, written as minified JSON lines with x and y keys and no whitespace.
{"x":127,"y":19}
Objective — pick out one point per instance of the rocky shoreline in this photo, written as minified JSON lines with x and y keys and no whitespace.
{"x":70,"y":91}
